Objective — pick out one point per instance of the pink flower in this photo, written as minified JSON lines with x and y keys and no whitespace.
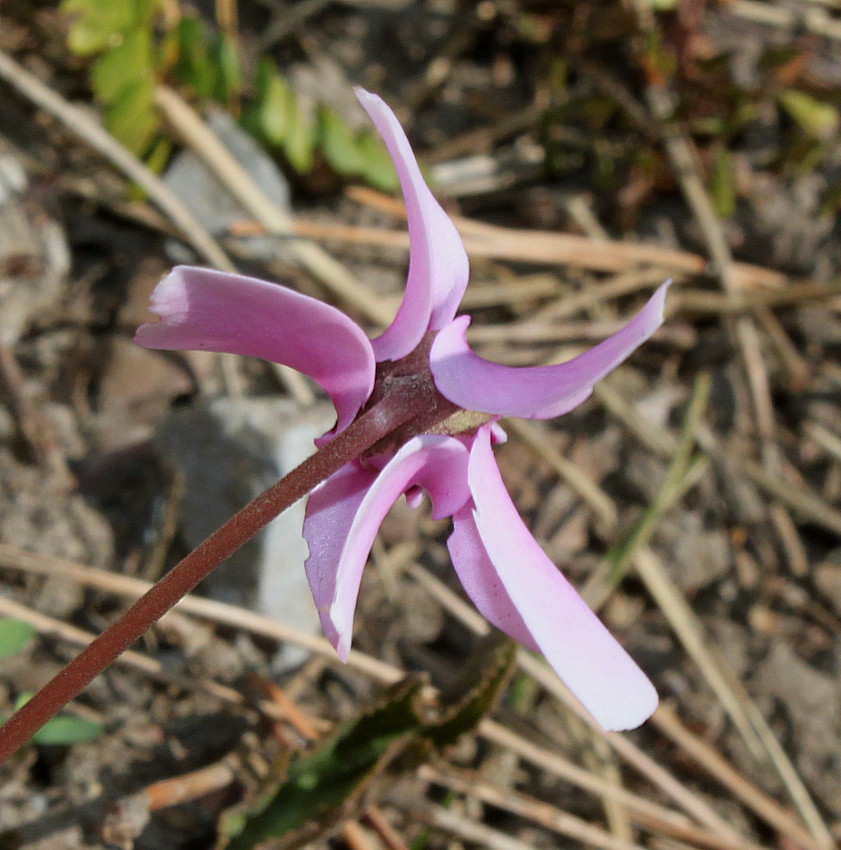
{"x":502,"y":568}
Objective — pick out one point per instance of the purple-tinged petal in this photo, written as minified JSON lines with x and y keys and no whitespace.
{"x":480,"y":580}
{"x":438,"y":267}
{"x":436,"y":463}
{"x":536,"y":392}
{"x":331,"y":509}
{"x":216,"y":311}
{"x":574,"y":641}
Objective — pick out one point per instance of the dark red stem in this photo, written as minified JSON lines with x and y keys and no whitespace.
{"x":368,"y":429}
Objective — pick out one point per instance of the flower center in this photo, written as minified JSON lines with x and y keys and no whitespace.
{"x":411,"y":374}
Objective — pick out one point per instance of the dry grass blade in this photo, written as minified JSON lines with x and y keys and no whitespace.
{"x":550,"y":248}
{"x":686,"y":300}
{"x":681,"y":153}
{"x":191,"y":786}
{"x":600,"y":292}
{"x":143,"y":663}
{"x":593,"y":496}
{"x":826,"y":439}
{"x":537,"y":811}
{"x":651,"y":436}
{"x":762,"y":804}
{"x":680,"y":475}
{"x":387,"y":833}
{"x":218,"y":612}
{"x":809,"y":506}
{"x":195,"y":133}
{"x":647,"y":813}
{"x":686,"y":799}
{"x":83,"y":126}
{"x":734,"y":698}
{"x":230,"y":615}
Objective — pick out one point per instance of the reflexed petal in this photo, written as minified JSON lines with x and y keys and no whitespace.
{"x":480,"y":581}
{"x":331,"y":509}
{"x":439,"y":465}
{"x":537,"y":392}
{"x":216,"y":311}
{"x":574,"y":641}
{"x":438,"y":267}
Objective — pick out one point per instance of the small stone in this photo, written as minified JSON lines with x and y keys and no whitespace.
{"x":212,"y":204}
{"x":230,"y":450}
{"x":34,"y":258}
{"x":812,"y":703}
{"x":135,"y":389}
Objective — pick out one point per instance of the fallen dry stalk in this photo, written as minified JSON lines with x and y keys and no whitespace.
{"x":89,"y":131}
{"x":230,"y":615}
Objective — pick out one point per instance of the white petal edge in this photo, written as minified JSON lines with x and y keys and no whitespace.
{"x":588,"y":659}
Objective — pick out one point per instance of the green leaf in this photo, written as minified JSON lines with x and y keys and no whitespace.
{"x":315,"y":789}
{"x":300,"y":141}
{"x":194,"y":66}
{"x":306,"y":798}
{"x":276,"y":105}
{"x":96,"y":24}
{"x":158,"y":156}
{"x":817,"y":119}
{"x":61,"y":730}
{"x":339,"y":143}
{"x":131,"y":116}
{"x":67,"y":730}
{"x":99,"y":24}
{"x":123,"y":66}
{"x":723,"y":185}
{"x":15,"y":635}
{"x":661,"y":5}
{"x":476,"y":690}
{"x":228,"y":76}
{"x":377,"y":166}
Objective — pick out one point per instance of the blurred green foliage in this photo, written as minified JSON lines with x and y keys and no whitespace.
{"x":305,"y":797}
{"x":134,"y":47}
{"x":15,"y":636}
{"x":764,"y":106}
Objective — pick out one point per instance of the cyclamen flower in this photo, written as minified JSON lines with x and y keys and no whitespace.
{"x":501,"y":567}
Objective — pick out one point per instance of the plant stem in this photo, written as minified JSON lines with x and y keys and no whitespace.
{"x":399,"y":407}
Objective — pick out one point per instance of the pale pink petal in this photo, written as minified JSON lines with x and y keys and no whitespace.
{"x":436,"y":463}
{"x":217,"y":311}
{"x":438,"y":267}
{"x":574,"y":641}
{"x":480,"y":580}
{"x":536,"y":392}
{"x":331,"y":509}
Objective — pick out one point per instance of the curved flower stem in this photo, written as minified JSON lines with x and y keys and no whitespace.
{"x":397,"y":408}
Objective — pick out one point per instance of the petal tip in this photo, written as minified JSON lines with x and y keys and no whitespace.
{"x":657,"y":303}
{"x":365,"y":96}
{"x":343,"y":650}
{"x":633,"y":711}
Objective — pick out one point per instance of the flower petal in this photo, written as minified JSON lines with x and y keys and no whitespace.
{"x":331,"y":509}
{"x":438,"y":267}
{"x":480,"y":581}
{"x":436,"y":463}
{"x":216,"y":311}
{"x":537,"y":392}
{"x":574,"y":641}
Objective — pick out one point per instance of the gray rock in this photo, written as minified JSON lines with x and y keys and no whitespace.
{"x":208,"y":199}
{"x":230,"y":450}
{"x":698,"y":556}
{"x":34,"y":258}
{"x":811,"y":701}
